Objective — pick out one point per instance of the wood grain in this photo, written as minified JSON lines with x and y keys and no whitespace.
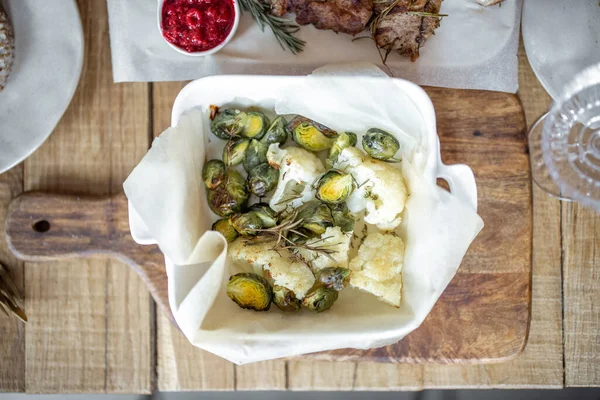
{"x":12,"y":331}
{"x":90,"y":325}
{"x":581,"y":285}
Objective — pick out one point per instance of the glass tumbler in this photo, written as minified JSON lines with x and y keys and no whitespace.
{"x":564,"y":144}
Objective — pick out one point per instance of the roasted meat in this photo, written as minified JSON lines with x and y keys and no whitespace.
{"x":403,"y":31}
{"x":346,"y":16}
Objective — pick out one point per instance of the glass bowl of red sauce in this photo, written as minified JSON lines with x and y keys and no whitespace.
{"x":198,"y":27}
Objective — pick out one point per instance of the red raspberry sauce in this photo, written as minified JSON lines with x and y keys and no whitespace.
{"x":197,"y":25}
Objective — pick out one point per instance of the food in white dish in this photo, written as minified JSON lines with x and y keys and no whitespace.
{"x":300,"y":242}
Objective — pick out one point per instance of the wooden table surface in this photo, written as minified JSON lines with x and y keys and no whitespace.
{"x":94,"y":328}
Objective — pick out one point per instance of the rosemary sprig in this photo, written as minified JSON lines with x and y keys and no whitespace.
{"x":426,"y":14}
{"x":283,"y":29}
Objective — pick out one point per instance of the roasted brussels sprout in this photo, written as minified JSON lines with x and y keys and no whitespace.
{"x":316,"y":217}
{"x":285,"y":299}
{"x":225,"y":228}
{"x":320,"y":299}
{"x":214,"y":173}
{"x":234,"y":151}
{"x":342,"y":217}
{"x":277,"y":132}
{"x":228,"y":123}
{"x":345,"y":139}
{"x":256,"y":154}
{"x":380,"y":144}
{"x":256,"y":125}
{"x":250,"y":291}
{"x":265,"y":213}
{"x":335,"y":187}
{"x":334,"y":277}
{"x":262,"y":179}
{"x":229,"y":198}
{"x":311,"y":135}
{"x":247,"y":224}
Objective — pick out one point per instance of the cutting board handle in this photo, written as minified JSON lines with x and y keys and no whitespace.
{"x":45,"y":227}
{"x":50,"y":227}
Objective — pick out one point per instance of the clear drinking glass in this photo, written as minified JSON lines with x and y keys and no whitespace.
{"x":564,"y":144}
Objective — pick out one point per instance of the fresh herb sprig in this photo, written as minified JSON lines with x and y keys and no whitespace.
{"x":283,"y":29}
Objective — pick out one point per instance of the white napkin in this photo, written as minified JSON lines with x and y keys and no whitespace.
{"x":474,"y":48}
{"x":168,"y":196}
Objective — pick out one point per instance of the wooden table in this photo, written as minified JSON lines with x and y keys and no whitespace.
{"x":94,"y":328}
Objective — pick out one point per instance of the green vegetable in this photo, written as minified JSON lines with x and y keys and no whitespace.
{"x":247,"y":224}
{"x":214,"y":173}
{"x":345,"y":139}
{"x":277,"y":132}
{"x":256,"y":154}
{"x":250,"y":291}
{"x":380,"y":144}
{"x":334,"y":187}
{"x":285,"y":299}
{"x":255,"y":125}
{"x":228,"y":123}
{"x":316,"y":217}
{"x":229,"y":198}
{"x":225,"y":228}
{"x":311,"y":135}
{"x":342,"y":217}
{"x":262,"y":179}
{"x":320,"y":299}
{"x":334,"y":277}
{"x":265,"y":213}
{"x":234,"y":151}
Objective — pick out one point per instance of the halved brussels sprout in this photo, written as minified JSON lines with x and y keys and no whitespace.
{"x":320,"y":299}
{"x":336,"y":278}
{"x":250,"y":291}
{"x":247,"y":224}
{"x":262,"y":179}
{"x":229,"y":198}
{"x":334,"y":187}
{"x":256,"y":125}
{"x":214,"y":173}
{"x":311,"y":135}
{"x":380,"y":144}
{"x":345,"y":139}
{"x":234,"y":151}
{"x":277,"y":132}
{"x":316,"y":217}
{"x":342,"y":217}
{"x":265,"y":213}
{"x":225,"y":228}
{"x":285,"y":299}
{"x":256,"y":154}
{"x":228,"y":123}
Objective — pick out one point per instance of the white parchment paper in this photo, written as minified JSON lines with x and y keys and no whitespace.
{"x":168,"y":197}
{"x":474,"y":48}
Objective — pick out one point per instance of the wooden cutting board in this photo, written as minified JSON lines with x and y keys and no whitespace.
{"x":483,"y":316}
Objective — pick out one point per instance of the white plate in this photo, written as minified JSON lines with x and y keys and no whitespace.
{"x":45,"y":73}
{"x":561,"y":37}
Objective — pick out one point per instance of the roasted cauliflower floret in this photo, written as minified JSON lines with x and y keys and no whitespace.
{"x":298,"y":170}
{"x":381,"y":189}
{"x":333,"y":240}
{"x":283,"y":271}
{"x":377,"y":268}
